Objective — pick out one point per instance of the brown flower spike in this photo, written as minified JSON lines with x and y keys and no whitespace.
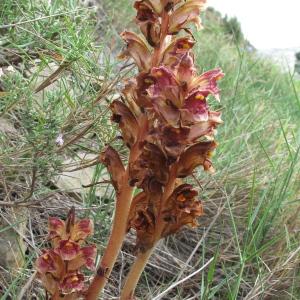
{"x":59,"y":268}
{"x":166,"y":122}
{"x":181,"y":127}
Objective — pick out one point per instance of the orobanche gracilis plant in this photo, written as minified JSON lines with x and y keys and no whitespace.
{"x":59,"y":267}
{"x":166,"y":123}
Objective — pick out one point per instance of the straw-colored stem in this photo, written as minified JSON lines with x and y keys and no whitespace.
{"x":115,"y":241}
{"x":119,"y":227}
{"x":56,"y":295}
{"x":135,"y":274}
{"x":142,"y":258}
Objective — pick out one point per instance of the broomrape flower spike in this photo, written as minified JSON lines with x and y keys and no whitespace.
{"x":59,"y":268}
{"x":167,"y":124}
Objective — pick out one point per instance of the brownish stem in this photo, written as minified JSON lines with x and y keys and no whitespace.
{"x":55,"y":296}
{"x":119,"y":227}
{"x":135,"y":274}
{"x":115,"y":241}
{"x":142,"y":258}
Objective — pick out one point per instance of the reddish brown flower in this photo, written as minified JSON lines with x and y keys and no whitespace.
{"x":51,"y":270}
{"x":56,"y":228}
{"x":207,"y":82}
{"x":206,"y":128}
{"x":148,"y":20}
{"x":185,"y":69}
{"x":60,"y":230}
{"x":180,"y":127}
{"x":142,"y":219}
{"x":127,"y":122}
{"x":136,"y":92}
{"x":194,"y":156}
{"x":176,"y":140}
{"x":166,"y":95}
{"x":147,"y":10}
{"x":111,"y":159}
{"x":181,"y":209}
{"x":165,"y":86}
{"x":156,"y":6}
{"x":137,"y":49}
{"x":167,"y":111}
{"x":166,"y":122}
{"x":85,"y":257}
{"x":174,"y":51}
{"x":195,"y":108}
{"x":74,"y":282}
{"x":150,"y":170}
{"x":186,"y":13}
{"x":81,"y":230}
{"x":163,"y":78}
{"x":59,"y":268}
{"x":50,"y":262}
{"x":67,"y":249}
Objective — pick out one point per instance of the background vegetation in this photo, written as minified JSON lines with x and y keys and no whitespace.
{"x":64,"y":74}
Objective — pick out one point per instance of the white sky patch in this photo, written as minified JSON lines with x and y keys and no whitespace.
{"x":265,"y":23}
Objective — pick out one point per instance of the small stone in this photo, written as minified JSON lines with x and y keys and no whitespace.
{"x":59,"y":140}
{"x":11,"y":69}
{"x":7,"y":127}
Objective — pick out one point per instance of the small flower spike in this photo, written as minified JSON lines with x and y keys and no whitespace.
{"x":59,"y":268}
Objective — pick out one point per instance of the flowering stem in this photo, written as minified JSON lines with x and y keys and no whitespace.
{"x":135,"y":274}
{"x":56,"y":295}
{"x":115,"y":241}
{"x":143,"y":257}
{"x":119,"y":227}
